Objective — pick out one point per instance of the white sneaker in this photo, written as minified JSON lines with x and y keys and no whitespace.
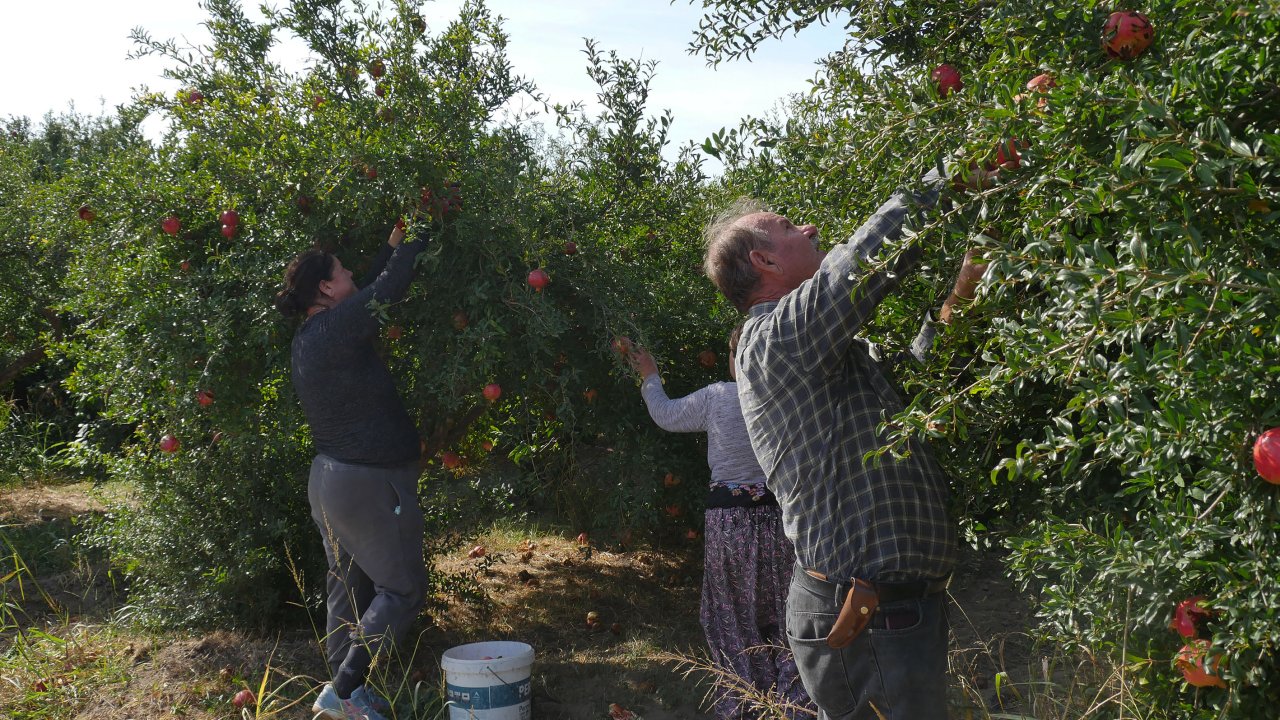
{"x":357,"y":708}
{"x":329,"y":706}
{"x":372,"y":699}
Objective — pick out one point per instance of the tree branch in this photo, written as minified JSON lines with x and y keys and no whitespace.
{"x":17,"y":367}
{"x":451,"y":430}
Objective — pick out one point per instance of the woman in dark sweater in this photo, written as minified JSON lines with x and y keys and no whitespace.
{"x":363,"y":482}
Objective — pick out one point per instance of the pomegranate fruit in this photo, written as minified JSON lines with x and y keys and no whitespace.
{"x":1266,"y":455}
{"x":1196,"y":667}
{"x":1127,"y":34}
{"x":1187,"y":614}
{"x":244,"y":698}
{"x":947,"y":79}
{"x":492,"y":392}
{"x":538,"y":279}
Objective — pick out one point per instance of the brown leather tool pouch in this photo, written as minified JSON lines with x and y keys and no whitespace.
{"x":859,"y":605}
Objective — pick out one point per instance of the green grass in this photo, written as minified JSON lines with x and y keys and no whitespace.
{"x":51,"y":673}
{"x":45,"y":548}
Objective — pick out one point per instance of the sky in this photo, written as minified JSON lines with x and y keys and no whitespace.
{"x":65,"y":53}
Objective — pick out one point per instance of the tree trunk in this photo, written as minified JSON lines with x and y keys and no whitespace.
{"x":449,"y":432}
{"x":11,"y":372}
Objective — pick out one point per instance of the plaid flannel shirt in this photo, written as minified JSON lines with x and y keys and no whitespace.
{"x":813,"y":394}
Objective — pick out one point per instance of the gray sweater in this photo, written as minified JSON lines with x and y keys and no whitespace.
{"x":347,"y":392}
{"x":714,"y":410}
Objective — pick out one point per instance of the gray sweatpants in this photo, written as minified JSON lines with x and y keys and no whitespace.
{"x":372,"y":529}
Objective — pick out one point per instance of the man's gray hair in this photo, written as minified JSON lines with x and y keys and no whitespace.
{"x":729,"y":245}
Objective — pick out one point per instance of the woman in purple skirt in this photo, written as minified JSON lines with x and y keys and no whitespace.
{"x":748,"y":559}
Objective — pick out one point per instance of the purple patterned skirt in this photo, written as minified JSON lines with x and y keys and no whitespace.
{"x":744,"y":592}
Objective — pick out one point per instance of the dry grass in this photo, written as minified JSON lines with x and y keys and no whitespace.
{"x":62,"y":657}
{"x":541,"y":595}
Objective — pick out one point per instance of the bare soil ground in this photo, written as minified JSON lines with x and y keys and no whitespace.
{"x":535,"y":584}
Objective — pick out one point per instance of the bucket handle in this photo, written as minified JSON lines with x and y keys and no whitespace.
{"x":491,"y":672}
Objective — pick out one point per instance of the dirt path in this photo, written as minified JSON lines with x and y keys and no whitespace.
{"x":28,"y":504}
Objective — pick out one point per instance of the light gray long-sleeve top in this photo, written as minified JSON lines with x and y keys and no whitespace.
{"x":714,"y":410}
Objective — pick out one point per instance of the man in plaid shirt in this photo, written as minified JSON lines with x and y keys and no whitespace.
{"x":813,"y":394}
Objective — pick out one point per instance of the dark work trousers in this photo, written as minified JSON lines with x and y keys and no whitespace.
{"x":372,"y":529}
{"x":884,"y":674}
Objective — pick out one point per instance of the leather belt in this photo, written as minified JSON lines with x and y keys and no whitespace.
{"x":895,"y":591}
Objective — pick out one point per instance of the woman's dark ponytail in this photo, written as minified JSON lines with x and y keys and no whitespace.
{"x":287,"y":304}
{"x":302,"y":282}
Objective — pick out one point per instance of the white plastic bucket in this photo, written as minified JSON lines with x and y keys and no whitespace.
{"x":489,"y":681}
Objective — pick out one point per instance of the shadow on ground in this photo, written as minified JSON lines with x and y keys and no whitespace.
{"x":76,"y":660}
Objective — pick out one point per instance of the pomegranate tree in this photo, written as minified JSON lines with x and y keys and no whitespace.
{"x":1118,"y":362}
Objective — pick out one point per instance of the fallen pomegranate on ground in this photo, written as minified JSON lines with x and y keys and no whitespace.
{"x":244,"y":698}
{"x":617,"y":712}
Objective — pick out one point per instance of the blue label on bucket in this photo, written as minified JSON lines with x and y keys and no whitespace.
{"x":488,"y":698}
